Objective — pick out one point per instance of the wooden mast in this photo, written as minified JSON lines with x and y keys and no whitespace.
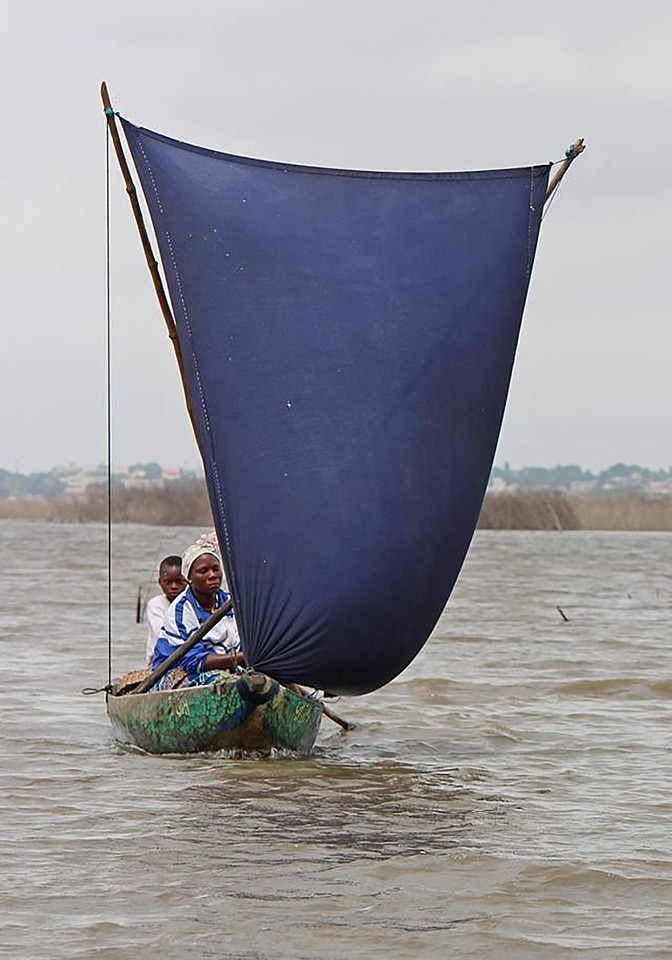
{"x":144,"y":239}
{"x":571,"y":153}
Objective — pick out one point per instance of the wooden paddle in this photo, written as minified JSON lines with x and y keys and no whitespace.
{"x":183,"y":648}
{"x":327,"y":711}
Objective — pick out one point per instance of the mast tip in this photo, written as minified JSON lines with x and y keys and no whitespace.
{"x":105,"y":97}
{"x":574,"y":149}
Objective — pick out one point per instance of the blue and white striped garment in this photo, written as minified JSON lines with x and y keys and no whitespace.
{"x":184,"y":616}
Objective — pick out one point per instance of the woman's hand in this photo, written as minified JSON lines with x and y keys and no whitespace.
{"x":223,"y":661}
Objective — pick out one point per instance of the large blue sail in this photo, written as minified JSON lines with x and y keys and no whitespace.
{"x":348,"y":339}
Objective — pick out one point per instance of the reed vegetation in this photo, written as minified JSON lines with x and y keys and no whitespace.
{"x":186,"y":504}
{"x":550,"y":510}
{"x":528,"y":510}
{"x":623,"y":513}
{"x":178,"y":504}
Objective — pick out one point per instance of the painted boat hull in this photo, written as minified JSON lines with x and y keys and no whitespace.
{"x":249,"y":712}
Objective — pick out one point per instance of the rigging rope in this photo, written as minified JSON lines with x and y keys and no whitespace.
{"x":108,"y":404}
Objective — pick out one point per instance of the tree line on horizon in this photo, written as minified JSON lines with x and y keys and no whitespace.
{"x":562,"y":477}
{"x":51,"y":484}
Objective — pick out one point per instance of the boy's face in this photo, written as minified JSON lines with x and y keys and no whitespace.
{"x":172,"y":582}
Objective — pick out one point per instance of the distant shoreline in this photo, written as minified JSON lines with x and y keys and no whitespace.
{"x":187,"y":505}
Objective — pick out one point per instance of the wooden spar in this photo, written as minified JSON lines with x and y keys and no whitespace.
{"x":299,"y":691}
{"x":144,"y":239}
{"x":183,"y":648}
{"x":571,"y":154}
{"x":345,"y":724}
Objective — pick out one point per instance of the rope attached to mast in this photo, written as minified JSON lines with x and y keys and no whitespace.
{"x":108,"y":403}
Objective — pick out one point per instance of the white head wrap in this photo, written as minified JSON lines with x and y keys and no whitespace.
{"x":206,"y":543}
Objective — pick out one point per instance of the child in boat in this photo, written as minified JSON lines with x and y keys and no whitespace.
{"x":172,"y":584}
{"x":220,"y":648}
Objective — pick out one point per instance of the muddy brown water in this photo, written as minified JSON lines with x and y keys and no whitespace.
{"x":508,"y":796}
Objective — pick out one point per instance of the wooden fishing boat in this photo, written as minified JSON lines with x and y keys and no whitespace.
{"x":248,"y":711}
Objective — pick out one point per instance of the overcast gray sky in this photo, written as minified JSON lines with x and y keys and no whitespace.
{"x":357,"y":83}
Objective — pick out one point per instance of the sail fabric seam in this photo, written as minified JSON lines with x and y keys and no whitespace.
{"x":508,"y":173}
{"x":231,"y":573}
{"x":530,"y":211}
{"x":189,"y":329}
{"x":151,"y":175}
{"x":204,"y":406}
{"x":185,"y":312}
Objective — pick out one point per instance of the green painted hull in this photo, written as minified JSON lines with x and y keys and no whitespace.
{"x":251,"y":712}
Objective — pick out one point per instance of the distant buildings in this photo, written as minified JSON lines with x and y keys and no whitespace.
{"x":618,"y":479}
{"x":76,"y":485}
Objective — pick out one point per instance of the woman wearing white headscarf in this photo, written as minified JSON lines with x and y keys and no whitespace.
{"x":219,"y":649}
